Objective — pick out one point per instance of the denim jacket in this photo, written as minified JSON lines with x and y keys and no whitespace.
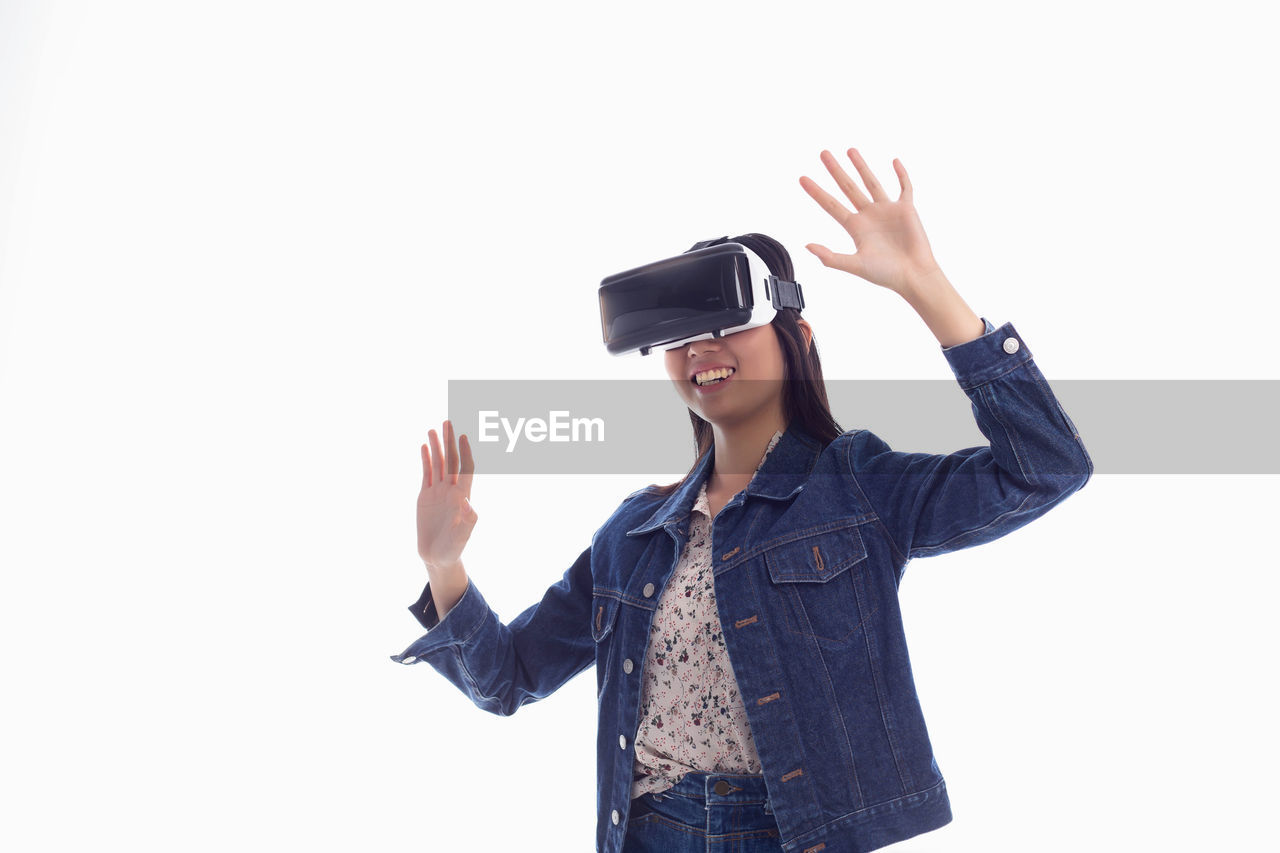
{"x":808,"y":559}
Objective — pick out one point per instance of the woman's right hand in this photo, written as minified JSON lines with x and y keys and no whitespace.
{"x":445,"y":514}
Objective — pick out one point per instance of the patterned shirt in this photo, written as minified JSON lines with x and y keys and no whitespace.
{"x":691,"y":716}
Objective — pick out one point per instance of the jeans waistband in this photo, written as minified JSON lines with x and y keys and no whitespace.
{"x":721,"y":788}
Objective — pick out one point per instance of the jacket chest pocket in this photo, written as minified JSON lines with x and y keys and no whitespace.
{"x":817,"y":580}
{"x":604,"y":612}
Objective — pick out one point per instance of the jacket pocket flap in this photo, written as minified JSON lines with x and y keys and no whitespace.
{"x":816,"y":557}
{"x":604,"y":610}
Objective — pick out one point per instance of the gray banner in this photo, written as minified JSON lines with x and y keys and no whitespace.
{"x":641,"y":427}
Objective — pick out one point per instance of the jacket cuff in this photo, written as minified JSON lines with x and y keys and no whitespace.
{"x":424,"y":609}
{"x":988,"y":329}
{"x":458,"y":625}
{"x":988,"y":356}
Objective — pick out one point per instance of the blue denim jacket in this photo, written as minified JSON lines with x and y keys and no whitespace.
{"x":808,"y":559}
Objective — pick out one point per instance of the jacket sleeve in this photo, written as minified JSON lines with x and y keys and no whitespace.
{"x":502,"y":666}
{"x":935,"y":503}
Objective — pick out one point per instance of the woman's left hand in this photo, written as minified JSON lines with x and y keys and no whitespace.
{"x":892,"y":249}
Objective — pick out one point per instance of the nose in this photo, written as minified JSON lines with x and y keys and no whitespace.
{"x":697,"y":348}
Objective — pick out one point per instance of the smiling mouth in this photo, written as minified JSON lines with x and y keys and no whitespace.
{"x":715,"y":383}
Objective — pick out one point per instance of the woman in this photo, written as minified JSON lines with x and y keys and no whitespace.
{"x":755,"y":688}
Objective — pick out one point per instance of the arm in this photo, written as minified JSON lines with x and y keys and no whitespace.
{"x":503,"y":666}
{"x":932,"y":503}
{"x":499,"y":667}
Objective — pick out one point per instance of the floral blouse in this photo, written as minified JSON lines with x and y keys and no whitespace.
{"x":691,"y":716}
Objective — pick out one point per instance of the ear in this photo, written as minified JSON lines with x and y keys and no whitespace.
{"x":807,"y":331}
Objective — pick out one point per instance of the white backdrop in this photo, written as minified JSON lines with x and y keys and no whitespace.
{"x":246,"y":245}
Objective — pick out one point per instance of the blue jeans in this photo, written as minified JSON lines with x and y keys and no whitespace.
{"x":704,"y":812}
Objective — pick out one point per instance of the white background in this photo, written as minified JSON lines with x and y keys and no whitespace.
{"x":246,"y":245}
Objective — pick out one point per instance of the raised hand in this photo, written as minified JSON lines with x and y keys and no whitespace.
{"x":445,"y":514}
{"x":892,"y":249}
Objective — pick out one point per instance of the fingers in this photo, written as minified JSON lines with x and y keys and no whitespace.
{"x":468,"y":468}
{"x":847,"y":183}
{"x":454,"y":465}
{"x":903,"y":181}
{"x":450,"y":454}
{"x":831,"y":205}
{"x":850,"y":187}
{"x":836,"y":260}
{"x":868,"y":177}
{"x":437,"y":457}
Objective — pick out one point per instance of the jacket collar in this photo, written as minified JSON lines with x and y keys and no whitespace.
{"x":782,"y":475}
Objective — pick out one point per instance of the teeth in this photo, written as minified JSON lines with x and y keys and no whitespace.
{"x":708,"y":376}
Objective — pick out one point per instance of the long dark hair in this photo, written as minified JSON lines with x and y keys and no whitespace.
{"x":804,"y":392}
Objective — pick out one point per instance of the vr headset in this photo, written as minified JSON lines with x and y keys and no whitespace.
{"x":708,"y":292}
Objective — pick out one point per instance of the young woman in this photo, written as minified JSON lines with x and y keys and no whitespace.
{"x":755,"y":690}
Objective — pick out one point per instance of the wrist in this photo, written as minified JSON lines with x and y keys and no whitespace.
{"x":943,"y":310}
{"x":923,"y":285}
{"x":444,"y":569}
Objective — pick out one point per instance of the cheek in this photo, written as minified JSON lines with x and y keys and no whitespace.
{"x":768,"y":365}
{"x":780,"y":364}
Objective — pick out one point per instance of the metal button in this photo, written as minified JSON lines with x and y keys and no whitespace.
{"x":1010,"y":345}
{"x":622,"y":741}
{"x":648,"y":590}
{"x":410,"y":659}
{"x":722,"y":787}
{"x":616,"y":817}
{"x":627,"y":665}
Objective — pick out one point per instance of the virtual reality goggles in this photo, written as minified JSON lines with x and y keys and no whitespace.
{"x":707,"y":292}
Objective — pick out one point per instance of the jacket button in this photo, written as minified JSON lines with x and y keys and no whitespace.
{"x":1010,"y":345}
{"x":616,"y":817}
{"x":648,"y":590}
{"x":722,"y":787}
{"x":622,"y":741}
{"x":627,"y":665}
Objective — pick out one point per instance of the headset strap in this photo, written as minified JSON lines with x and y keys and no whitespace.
{"x":784,"y":294}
